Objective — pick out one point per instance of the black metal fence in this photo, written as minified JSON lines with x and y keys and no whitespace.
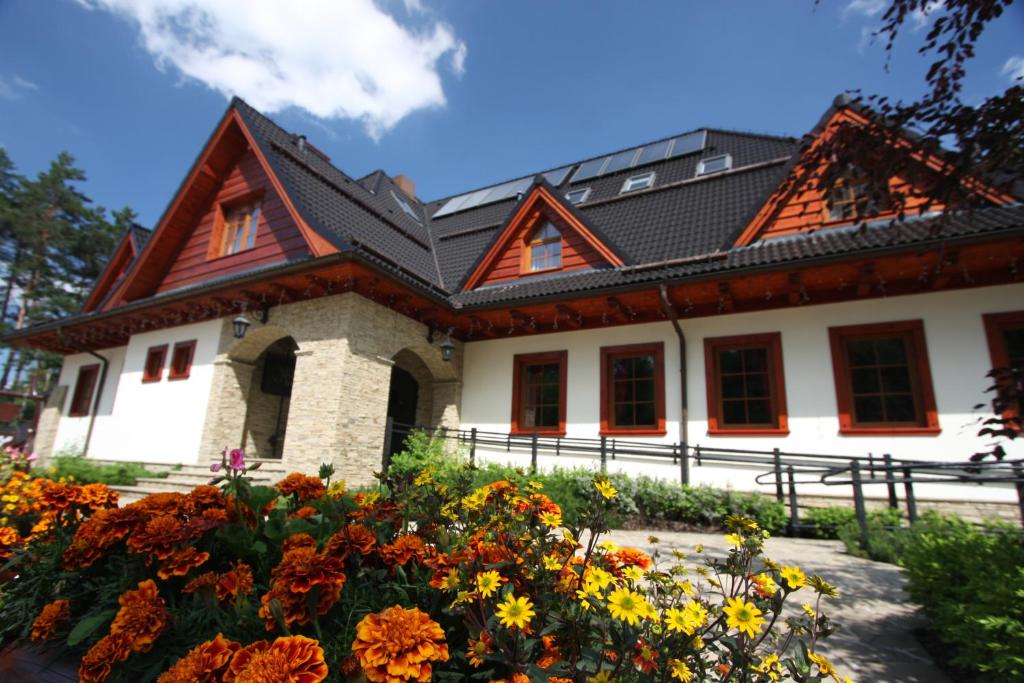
{"x":785,"y":471}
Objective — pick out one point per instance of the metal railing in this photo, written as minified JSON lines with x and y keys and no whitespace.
{"x":784,"y":470}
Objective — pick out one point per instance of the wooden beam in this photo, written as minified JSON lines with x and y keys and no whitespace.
{"x":620,"y":310}
{"x":528,"y":322}
{"x":865,"y":280}
{"x":945,"y":266}
{"x":573,"y":318}
{"x":726,"y":302}
{"x":485,"y":327}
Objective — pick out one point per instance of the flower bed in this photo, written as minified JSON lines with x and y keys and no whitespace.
{"x":418,"y":581}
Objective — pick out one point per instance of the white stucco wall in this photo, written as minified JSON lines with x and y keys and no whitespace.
{"x":958,"y":358}
{"x":152,"y":422}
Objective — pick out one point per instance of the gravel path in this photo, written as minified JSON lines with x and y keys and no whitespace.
{"x":873,"y":642}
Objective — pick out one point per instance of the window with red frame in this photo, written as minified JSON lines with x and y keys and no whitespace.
{"x":81,"y":399}
{"x":181,"y":360}
{"x":633,"y":389}
{"x":539,"y":386}
{"x":883,"y":383}
{"x":1005,"y":334}
{"x":745,"y":386}
{"x":153,"y":370}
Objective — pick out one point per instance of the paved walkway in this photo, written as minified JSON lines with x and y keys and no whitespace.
{"x":873,"y":642}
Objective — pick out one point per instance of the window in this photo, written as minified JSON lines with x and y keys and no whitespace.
{"x":239,"y":231}
{"x":745,"y":387}
{"x":153,"y":370}
{"x":81,"y":399}
{"x":633,"y":390}
{"x":1005,"y":333}
{"x":181,"y":360}
{"x":538,"y":401}
{"x":404,"y":205}
{"x":544,"y":249}
{"x":638,"y":182}
{"x":578,"y":196}
{"x":883,"y":384}
{"x":714,"y":164}
{"x":848,"y":199}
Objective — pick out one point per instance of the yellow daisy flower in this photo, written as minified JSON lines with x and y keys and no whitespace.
{"x":795,"y":579}
{"x":745,"y":617}
{"x":515,"y":612}
{"x":488,"y":582}
{"x":633,"y":573}
{"x":680,"y":671}
{"x":626,"y":605}
{"x":551,"y":519}
{"x":599,"y":576}
{"x":605,"y":488}
{"x":734,"y":540}
{"x":552,"y":562}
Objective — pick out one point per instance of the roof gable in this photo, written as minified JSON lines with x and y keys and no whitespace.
{"x":120,"y":261}
{"x":220,"y":156}
{"x":798,"y":205}
{"x":583,"y":245}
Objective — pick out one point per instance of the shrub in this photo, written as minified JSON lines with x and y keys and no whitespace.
{"x":77,"y":468}
{"x":886,"y":536}
{"x":420,"y":580}
{"x":826,"y":522}
{"x":969,"y":582}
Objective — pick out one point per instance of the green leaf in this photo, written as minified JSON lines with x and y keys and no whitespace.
{"x":85,"y":627}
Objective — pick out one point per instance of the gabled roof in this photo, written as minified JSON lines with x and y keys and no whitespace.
{"x":542,"y":196}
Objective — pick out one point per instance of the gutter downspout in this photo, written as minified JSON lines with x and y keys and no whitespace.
{"x":96,"y":400}
{"x":684,"y":407}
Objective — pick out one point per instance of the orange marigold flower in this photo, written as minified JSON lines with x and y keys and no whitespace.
{"x":292,"y":659}
{"x":96,"y":535}
{"x":8,"y":540}
{"x":304,"y":512}
{"x":158,"y":537}
{"x":181,"y":563}
{"x":51,"y":618}
{"x":96,"y":496}
{"x":57,"y":496}
{"x":143,"y":616}
{"x":302,"y":486}
{"x":354,"y":537}
{"x":236,"y":582}
{"x":297,"y":541}
{"x":204,"y":497}
{"x":96,"y":663}
{"x":403,"y":549}
{"x":559,"y":679}
{"x":204,"y":580}
{"x":398,"y":645}
{"x":205,"y":663}
{"x":551,"y":653}
{"x":298,"y":572}
{"x":633,"y":557}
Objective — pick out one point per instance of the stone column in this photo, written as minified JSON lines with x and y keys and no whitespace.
{"x":49,"y":419}
{"x":225,"y":414}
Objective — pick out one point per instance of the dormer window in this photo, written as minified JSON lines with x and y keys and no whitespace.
{"x":638,"y":182}
{"x":578,"y":196}
{"x":240,"y":223}
{"x":544,"y":249}
{"x":723,"y":162}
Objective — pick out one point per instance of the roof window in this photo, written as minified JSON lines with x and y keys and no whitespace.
{"x":714,"y":164}
{"x":578,"y":196}
{"x":638,"y":182}
{"x":405,"y":207}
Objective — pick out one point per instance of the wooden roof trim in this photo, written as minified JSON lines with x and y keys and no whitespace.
{"x":539,"y":196}
{"x":933,"y":162}
{"x":108,"y":278}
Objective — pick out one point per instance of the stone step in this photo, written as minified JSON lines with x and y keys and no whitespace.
{"x":130,"y":494}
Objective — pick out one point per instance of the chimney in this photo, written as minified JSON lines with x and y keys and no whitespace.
{"x":406,"y":185}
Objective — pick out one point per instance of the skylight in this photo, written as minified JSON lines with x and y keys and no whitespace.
{"x":714,"y":164}
{"x":638,"y":182}
{"x":405,"y":207}
{"x":498,"y":193}
{"x":578,"y":196}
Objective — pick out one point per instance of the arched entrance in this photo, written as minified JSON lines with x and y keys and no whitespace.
{"x":269,"y":397}
{"x":403,"y":399}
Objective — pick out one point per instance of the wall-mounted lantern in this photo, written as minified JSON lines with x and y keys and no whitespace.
{"x":242,"y":324}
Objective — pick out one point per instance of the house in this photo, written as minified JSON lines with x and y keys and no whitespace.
{"x":688,"y":290}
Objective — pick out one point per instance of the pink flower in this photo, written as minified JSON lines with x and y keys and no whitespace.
{"x":215,"y":467}
{"x":237,"y":460}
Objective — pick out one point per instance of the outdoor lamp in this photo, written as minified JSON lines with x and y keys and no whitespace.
{"x":241,"y":325}
{"x":447,"y":349}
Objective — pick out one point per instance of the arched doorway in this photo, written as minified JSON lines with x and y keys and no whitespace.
{"x":403,"y":399}
{"x":269,"y":398}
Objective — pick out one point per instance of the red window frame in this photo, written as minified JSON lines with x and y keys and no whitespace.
{"x":610,"y":353}
{"x":912,"y":332}
{"x":186,"y":350}
{"x":520,"y":362}
{"x":155,"y":356}
{"x":85,"y":387}
{"x":772,"y":343}
{"x":534,"y":241}
{"x":995,"y":324}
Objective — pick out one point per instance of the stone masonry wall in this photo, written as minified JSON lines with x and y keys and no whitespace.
{"x":346,"y":349}
{"x":49,"y":419}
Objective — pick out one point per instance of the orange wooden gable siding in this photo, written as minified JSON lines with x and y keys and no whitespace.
{"x":806,"y":210}
{"x":277,"y":236}
{"x":577,"y":253}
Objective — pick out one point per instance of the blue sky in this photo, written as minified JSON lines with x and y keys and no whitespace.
{"x":455,"y":94}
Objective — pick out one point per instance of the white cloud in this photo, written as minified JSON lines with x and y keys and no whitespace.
{"x":15,"y":87}
{"x":920,"y":18}
{"x":867,"y":8}
{"x":1014,"y":68}
{"x":348,"y":60}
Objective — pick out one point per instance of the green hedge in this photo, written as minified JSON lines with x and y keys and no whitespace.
{"x":969,"y":582}
{"x":653,"y":500}
{"x":85,"y":471}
